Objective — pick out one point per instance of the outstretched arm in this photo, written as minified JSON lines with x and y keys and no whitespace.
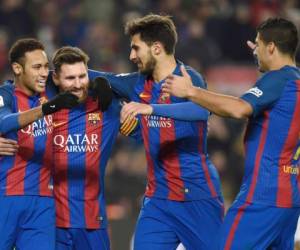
{"x":10,"y":121}
{"x":186,"y":111}
{"x":223,"y":105}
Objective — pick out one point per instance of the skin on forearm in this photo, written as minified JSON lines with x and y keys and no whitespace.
{"x":29,"y":116}
{"x":222,"y":105}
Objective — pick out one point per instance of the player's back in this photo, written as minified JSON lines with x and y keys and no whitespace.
{"x":272,"y":141}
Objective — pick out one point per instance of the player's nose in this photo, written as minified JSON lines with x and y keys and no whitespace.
{"x":132,"y":55}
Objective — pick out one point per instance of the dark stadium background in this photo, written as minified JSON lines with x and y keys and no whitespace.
{"x":212,"y":39}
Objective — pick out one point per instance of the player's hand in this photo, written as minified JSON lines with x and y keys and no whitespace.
{"x":178,"y":85}
{"x":8,"y":146}
{"x":64,"y":100}
{"x":132,"y":109}
{"x":101,"y":91}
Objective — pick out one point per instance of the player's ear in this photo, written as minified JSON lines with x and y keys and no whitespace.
{"x":156,"y":48}
{"x":17,"y":68}
{"x":55,"y":78}
{"x":271,"y":47}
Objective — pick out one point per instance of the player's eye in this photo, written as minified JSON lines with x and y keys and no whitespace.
{"x":36,"y":66}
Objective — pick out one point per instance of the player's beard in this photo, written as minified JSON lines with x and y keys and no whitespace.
{"x":84,"y":95}
{"x":259,"y":64}
{"x":149,"y":65}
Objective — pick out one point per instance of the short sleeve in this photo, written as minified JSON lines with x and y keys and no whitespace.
{"x":265,"y":92}
{"x":196,"y":77}
{"x":6,"y":101}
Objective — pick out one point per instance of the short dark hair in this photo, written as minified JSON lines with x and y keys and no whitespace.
{"x":21,"y":46}
{"x":153,"y":28}
{"x":68,"y":55}
{"x":280,"y":31}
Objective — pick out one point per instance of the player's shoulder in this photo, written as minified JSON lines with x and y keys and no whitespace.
{"x":192,"y":72}
{"x":7,"y":87}
{"x":6,"y":93}
{"x":283,"y":74}
{"x":196,"y":77}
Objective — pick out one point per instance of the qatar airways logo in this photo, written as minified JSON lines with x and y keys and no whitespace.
{"x":77,"y":142}
{"x":40,"y":127}
{"x":154,"y":121}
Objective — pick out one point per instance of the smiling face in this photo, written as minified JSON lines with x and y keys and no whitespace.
{"x":32,"y":74}
{"x":141,"y":55}
{"x":73,"y":78}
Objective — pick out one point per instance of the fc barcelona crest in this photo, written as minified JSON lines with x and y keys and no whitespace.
{"x":164,"y":97}
{"x":94,"y":118}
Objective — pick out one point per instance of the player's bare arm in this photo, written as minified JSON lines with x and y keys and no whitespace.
{"x":219,"y":104}
{"x":29,"y":116}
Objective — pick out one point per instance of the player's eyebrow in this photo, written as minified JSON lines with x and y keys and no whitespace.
{"x":134,"y":46}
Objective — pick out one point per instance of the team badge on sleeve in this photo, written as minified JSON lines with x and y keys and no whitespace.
{"x":255,"y":91}
{"x":128,"y":126}
{"x":1,"y":101}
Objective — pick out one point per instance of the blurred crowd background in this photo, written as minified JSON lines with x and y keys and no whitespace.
{"x":212,"y":39}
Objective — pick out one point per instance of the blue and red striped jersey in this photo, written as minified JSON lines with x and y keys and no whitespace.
{"x":28,"y":172}
{"x":176,"y":151}
{"x":272,"y":140}
{"x":83,"y":140}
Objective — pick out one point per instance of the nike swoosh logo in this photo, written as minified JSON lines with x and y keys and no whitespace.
{"x":143,"y":95}
{"x":58,"y":124}
{"x":52,"y":106}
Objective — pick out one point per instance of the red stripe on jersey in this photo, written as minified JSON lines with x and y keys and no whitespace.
{"x":151,"y":185}
{"x":171,"y":162}
{"x":46,"y":169}
{"x":259,"y":153}
{"x":145,"y":97}
{"x":170,"y":158}
{"x":92,"y":166}
{"x":285,"y":190}
{"x":204,"y":164}
{"x":61,"y":171}
{"x":16,"y":174}
{"x":234,"y":226}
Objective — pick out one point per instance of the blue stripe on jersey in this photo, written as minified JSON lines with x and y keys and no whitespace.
{"x":251,"y":147}
{"x":76,"y":173}
{"x":110,"y":129}
{"x":8,"y":161}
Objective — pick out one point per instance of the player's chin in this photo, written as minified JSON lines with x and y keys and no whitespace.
{"x":40,"y":89}
{"x":262,"y":69}
{"x":82,"y":96}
